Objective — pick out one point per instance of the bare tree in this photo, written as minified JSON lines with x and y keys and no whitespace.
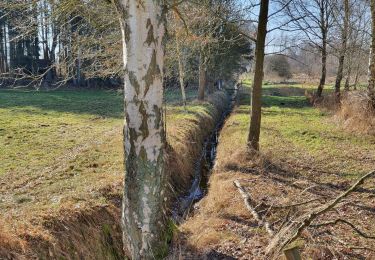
{"x":357,"y":43}
{"x":343,"y":51}
{"x":313,"y":18}
{"x":256,"y":110}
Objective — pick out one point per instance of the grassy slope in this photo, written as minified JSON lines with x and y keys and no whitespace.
{"x":300,"y":148}
{"x":63,"y":150}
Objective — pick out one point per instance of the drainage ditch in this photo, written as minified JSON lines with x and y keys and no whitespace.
{"x":202,"y":168}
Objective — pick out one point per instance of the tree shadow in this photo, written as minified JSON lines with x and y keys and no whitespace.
{"x":284,"y":91}
{"x":215,"y":255}
{"x":101,"y":103}
{"x":287,"y":176}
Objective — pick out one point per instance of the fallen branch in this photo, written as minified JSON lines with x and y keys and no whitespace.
{"x":247,"y":200}
{"x":291,"y":232}
{"x":291,"y":253}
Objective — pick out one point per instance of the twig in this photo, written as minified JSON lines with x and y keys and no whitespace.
{"x":335,"y":222}
{"x":295,"y":204}
{"x":285,"y":220}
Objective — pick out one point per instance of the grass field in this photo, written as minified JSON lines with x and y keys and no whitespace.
{"x":304,"y":155}
{"x":289,"y":120}
{"x":63,"y":149}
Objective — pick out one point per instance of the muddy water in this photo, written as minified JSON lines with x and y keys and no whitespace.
{"x":202,"y":168}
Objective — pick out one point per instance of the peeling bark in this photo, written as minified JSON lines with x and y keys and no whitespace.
{"x":143,"y":213}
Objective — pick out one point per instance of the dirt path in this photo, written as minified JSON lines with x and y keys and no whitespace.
{"x":305,"y":156}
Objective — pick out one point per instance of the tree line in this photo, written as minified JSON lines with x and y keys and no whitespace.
{"x":72,"y":42}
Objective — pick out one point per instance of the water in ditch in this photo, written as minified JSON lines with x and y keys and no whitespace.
{"x":202,"y":168}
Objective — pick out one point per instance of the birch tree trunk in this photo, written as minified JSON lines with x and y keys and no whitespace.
{"x":143,"y":212}
{"x":256,"y":109}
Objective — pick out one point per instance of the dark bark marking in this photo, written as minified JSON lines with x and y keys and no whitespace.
{"x":134,"y":82}
{"x":144,"y":125}
{"x":158,"y":117}
{"x":150,"y":34}
{"x":152,"y":72}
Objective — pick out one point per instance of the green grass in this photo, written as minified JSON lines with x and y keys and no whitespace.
{"x":38,"y":128}
{"x":64,"y":148}
{"x":293,"y":130}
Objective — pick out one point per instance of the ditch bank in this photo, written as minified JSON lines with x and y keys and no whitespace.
{"x":202,"y":164}
{"x":95,"y":232}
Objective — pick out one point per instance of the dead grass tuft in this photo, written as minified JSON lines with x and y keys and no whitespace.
{"x":11,"y":247}
{"x":329,"y":102}
{"x":357,"y":113}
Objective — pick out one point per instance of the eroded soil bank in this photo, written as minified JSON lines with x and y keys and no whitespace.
{"x":304,"y":157}
{"x":92,"y":230}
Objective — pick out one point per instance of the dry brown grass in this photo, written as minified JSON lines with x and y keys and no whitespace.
{"x":353,"y":110}
{"x":328,"y":103}
{"x":356,"y":112}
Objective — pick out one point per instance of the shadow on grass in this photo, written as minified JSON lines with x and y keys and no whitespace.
{"x":284,"y":91}
{"x":284,"y":174}
{"x":283,"y":97}
{"x":101,"y":103}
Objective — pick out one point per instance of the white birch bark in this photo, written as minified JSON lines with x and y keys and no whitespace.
{"x":143,"y":202}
